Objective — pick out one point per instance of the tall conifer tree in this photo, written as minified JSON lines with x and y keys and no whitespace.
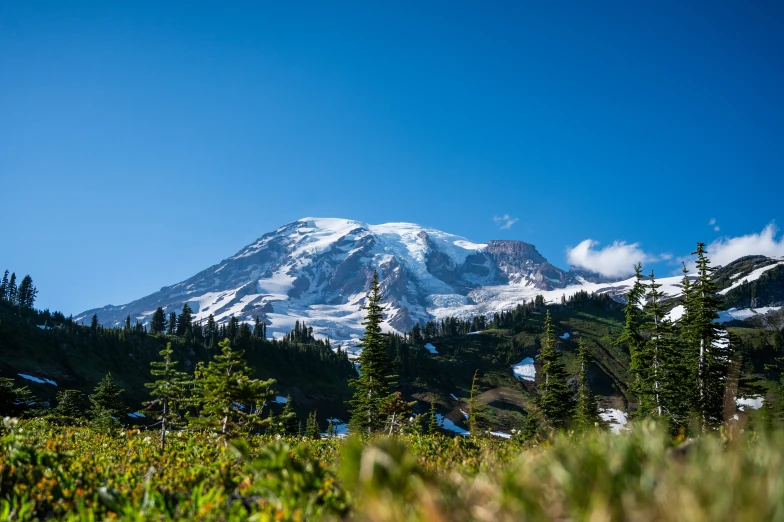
{"x":586,"y":413}
{"x":374,"y":383}
{"x":168,"y":392}
{"x":632,"y":337}
{"x":229,"y":400}
{"x":554,"y":402}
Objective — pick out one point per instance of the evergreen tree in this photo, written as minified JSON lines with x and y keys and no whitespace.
{"x":158,"y":322}
{"x":168,"y":392}
{"x":127,"y":323}
{"x":632,"y":338}
{"x":185,"y":321}
{"x":287,"y":420}
{"x":258,"y":329}
{"x":26,"y":293}
{"x":106,"y":401}
{"x":94,"y":323}
{"x":554,"y":402}
{"x":707,"y":348}
{"x":433,"y":419}
{"x":15,"y":402}
{"x":4,"y":287}
{"x":330,"y":428}
{"x":11,"y":292}
{"x":171,"y":327}
{"x":586,"y":414}
{"x":374,"y":384}
{"x":69,"y":407}
{"x":229,"y":400}
{"x":311,"y":428}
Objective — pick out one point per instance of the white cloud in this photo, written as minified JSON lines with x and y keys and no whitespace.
{"x":727,"y":249}
{"x":505,"y":221}
{"x":615,"y":260}
{"x":716,"y":228}
{"x":712,"y":221}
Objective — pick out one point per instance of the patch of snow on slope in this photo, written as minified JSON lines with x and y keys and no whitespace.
{"x":525,"y":369}
{"x":281,"y":400}
{"x":39,"y":380}
{"x":734,"y":314}
{"x":753,"y":276}
{"x":430,"y":348}
{"x":454,"y":397}
{"x":753,"y":403}
{"x":676,"y":313}
{"x":449,"y":425}
{"x":565,"y":336}
{"x":616,"y":419}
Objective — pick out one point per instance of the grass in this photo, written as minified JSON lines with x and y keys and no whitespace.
{"x":641,"y":475}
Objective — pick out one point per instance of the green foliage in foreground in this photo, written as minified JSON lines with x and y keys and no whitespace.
{"x":79,"y":474}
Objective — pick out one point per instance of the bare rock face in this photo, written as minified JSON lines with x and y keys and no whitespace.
{"x":319,"y":271}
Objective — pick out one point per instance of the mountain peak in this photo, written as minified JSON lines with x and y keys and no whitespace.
{"x":318,"y":270}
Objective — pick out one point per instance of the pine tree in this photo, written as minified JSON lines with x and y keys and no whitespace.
{"x":586,"y":414}
{"x":158,"y":322}
{"x":106,"y":401}
{"x":258,"y":329}
{"x":4,"y":287}
{"x":330,"y":428}
{"x":229,"y":400}
{"x":707,"y":347}
{"x":555,"y":403}
{"x":127,"y":323}
{"x":94,"y":323}
{"x":287,"y":420}
{"x":26,"y":293}
{"x":15,"y":402}
{"x":632,"y":338}
{"x":69,"y":407}
{"x":168,"y":392}
{"x":11,"y":292}
{"x":374,"y":384}
{"x":311,"y":428}
{"x":171,"y":327}
{"x":185,"y":321}
{"x":433,"y":419}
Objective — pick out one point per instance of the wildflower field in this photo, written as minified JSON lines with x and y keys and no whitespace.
{"x":49,"y":472}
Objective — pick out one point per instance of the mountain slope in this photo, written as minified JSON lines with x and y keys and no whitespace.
{"x":317,"y":270}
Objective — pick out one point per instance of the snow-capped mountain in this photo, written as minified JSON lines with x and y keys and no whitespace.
{"x":319,"y":271}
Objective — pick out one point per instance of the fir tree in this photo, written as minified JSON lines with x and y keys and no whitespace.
{"x":15,"y":402}
{"x":707,"y":347}
{"x":554,"y":402}
{"x":586,"y":414}
{"x":258,"y":329}
{"x":311,"y":428}
{"x":106,"y":401}
{"x":373,"y":385}
{"x":433,"y":419}
{"x":127,"y":323}
{"x":11,"y":292}
{"x":171,"y":327}
{"x":168,"y":392}
{"x":69,"y":407}
{"x":94,"y":323}
{"x":26,"y":293}
{"x":184,"y":322}
{"x":632,"y":338}
{"x":230,"y":401}
{"x":158,"y":322}
{"x":287,"y":420}
{"x":4,"y":287}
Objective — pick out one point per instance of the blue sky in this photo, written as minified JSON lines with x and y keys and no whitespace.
{"x":141,"y":142}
